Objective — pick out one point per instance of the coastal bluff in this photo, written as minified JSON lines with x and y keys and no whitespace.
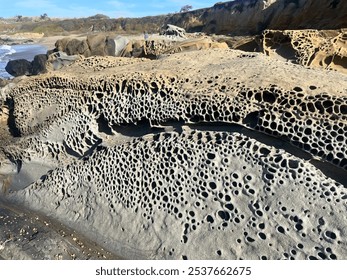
{"x":206,"y":154}
{"x":239,"y":17}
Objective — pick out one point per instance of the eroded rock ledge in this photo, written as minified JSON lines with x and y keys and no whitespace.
{"x":326,"y":49}
{"x":109,"y":147}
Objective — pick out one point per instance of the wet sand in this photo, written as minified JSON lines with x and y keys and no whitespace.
{"x":28,"y":235}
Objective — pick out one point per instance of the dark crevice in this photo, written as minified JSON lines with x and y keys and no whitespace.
{"x":92,"y":148}
{"x":71,"y":151}
{"x":103,"y":126}
{"x":139,"y":129}
{"x":334,"y":4}
{"x":11,"y":119}
{"x":328,"y":169}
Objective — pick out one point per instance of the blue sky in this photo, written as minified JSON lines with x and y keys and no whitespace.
{"x":85,"y":8}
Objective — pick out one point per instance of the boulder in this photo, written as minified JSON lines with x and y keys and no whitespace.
{"x":38,"y":65}
{"x":101,"y":45}
{"x":75,"y":46}
{"x":60,"y":45}
{"x":98,"y":44}
{"x":173,"y":30}
{"x":18,"y":67}
{"x":21,"y":67}
{"x":120,"y":44}
{"x":60,"y":59}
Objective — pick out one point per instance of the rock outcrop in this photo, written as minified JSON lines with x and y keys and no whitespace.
{"x":240,"y":17}
{"x":22,"y":67}
{"x":326,"y":49}
{"x":228,"y":155}
{"x":155,"y":48}
{"x":38,"y":65}
{"x":58,"y":60}
{"x":173,"y":31}
{"x":98,"y":44}
{"x":245,"y":17}
{"x":3,"y":82}
{"x":18,"y":67}
{"x":124,"y":47}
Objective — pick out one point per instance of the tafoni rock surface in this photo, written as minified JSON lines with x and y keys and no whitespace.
{"x":316,"y":48}
{"x":209,"y":154}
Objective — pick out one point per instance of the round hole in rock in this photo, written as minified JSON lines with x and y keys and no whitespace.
{"x":262,"y":235}
{"x":250,"y":239}
{"x":299,"y":227}
{"x":330,"y":234}
{"x":280,"y":229}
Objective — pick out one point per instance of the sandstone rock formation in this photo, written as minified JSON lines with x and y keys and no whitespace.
{"x":245,"y":17}
{"x":3,"y":82}
{"x":98,"y":44}
{"x":326,"y":49}
{"x":120,"y":44}
{"x":155,"y":48}
{"x":58,"y":60}
{"x":173,"y":31}
{"x":124,"y":47}
{"x":228,"y":155}
{"x":240,"y":17}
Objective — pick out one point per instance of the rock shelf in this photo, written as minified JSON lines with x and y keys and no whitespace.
{"x":210,"y":154}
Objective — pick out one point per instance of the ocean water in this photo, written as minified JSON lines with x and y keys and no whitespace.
{"x":8,"y":53}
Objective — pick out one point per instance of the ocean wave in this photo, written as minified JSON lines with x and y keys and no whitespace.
{"x":6,"y":50}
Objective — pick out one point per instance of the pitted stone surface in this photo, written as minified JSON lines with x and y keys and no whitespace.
{"x":197,"y":193}
{"x":163,"y":195}
{"x":157,"y":47}
{"x":326,"y":48}
{"x":310,"y":116}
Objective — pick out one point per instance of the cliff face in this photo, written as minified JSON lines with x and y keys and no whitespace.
{"x":253,"y":16}
{"x":240,"y":17}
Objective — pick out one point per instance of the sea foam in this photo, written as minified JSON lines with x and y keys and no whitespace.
{"x":6,"y":50}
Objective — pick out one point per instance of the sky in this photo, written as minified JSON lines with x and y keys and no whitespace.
{"x":86,"y":8}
